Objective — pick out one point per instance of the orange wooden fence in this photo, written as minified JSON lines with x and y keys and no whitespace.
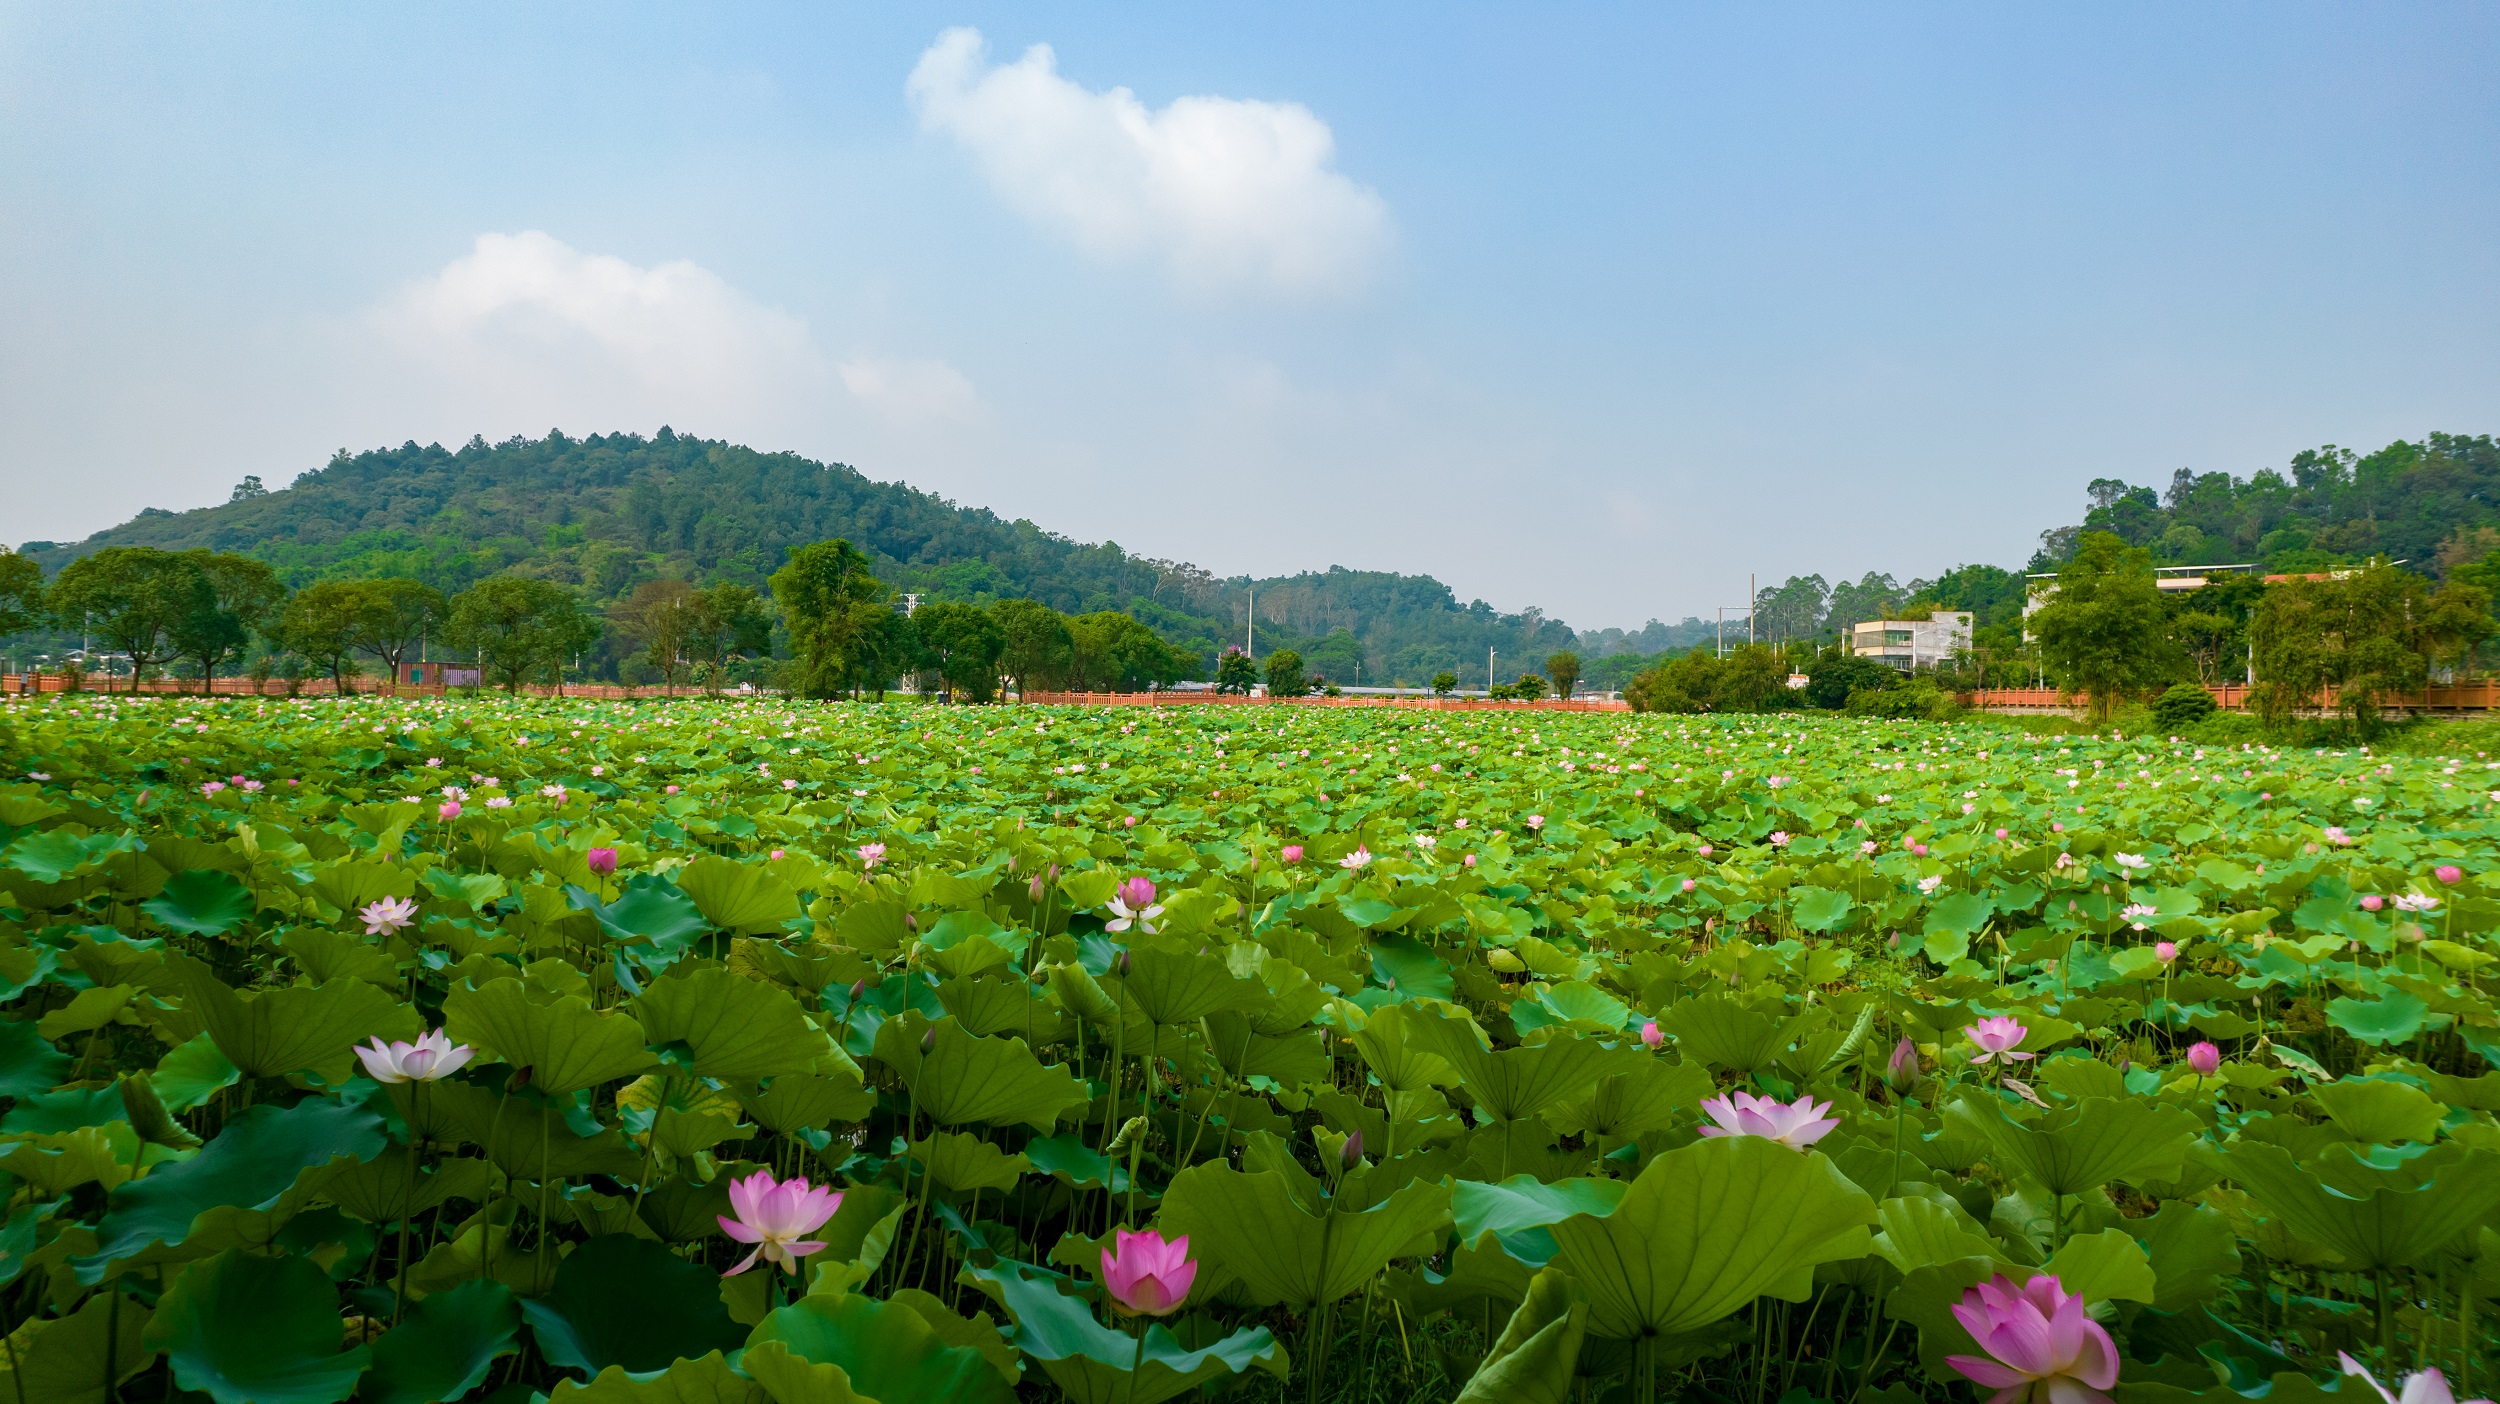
{"x":1209,"y":699}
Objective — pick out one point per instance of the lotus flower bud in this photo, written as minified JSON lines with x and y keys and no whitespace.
{"x":2449,"y":873}
{"x":858,"y":988}
{"x":1901,"y":1071}
{"x":1650,"y":1036}
{"x":2205,"y":1058}
{"x":2166,"y":951}
{"x":2373,"y":902}
{"x":1119,"y":965}
{"x":1351,"y":1153}
{"x":910,"y":922}
{"x":928,"y":1042}
{"x":599,"y":860}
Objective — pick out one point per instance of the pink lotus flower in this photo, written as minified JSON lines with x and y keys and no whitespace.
{"x":871,"y":854}
{"x":1689,"y":884}
{"x":2373,"y":902}
{"x":447,"y":811}
{"x":2449,"y":873}
{"x":1998,"y":1037}
{"x":1650,"y":1036}
{"x":1795,"y":1125}
{"x":1134,"y":904}
{"x":1778,"y":839}
{"x":388,"y":915}
{"x":1901,"y":1071}
{"x":2424,"y":1387}
{"x":2205,"y":1058}
{"x":1536,"y":821}
{"x":1291,"y":853}
{"x":2041,"y":1346}
{"x":433,"y":1056}
{"x":601,"y":861}
{"x":1705,"y":850}
{"x":1148,"y":1276}
{"x":2165,"y":951}
{"x":1359,"y":859}
{"x":773,"y":1214}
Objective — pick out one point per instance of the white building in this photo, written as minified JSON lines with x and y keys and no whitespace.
{"x":1912,"y":644}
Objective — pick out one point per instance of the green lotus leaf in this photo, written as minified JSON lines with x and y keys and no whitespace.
{"x":737,"y":1029}
{"x":1921,"y":1232}
{"x":292,"y":1028}
{"x":1090,"y":1362}
{"x":967,"y":956}
{"x":2377,"y":1112}
{"x":1577,"y":1001}
{"x":65,"y":1110}
{"x":245,"y":1329}
{"x":444,"y":1347}
{"x":255,"y":1165}
{"x":1251,"y":1226}
{"x":1517,"y":1083}
{"x":705,"y":1379}
{"x":379,"y":1191}
{"x":2373,"y":1219}
{"x":475,"y":891}
{"x":1409,"y":966}
{"x":2104,"y":1266}
{"x":629,"y":1302}
{"x":794,"y":1101}
{"x":1706,"y":1229}
{"x":28,"y":1061}
{"x":90,"y":1009}
{"x":962,"y":1080}
{"x":2192,"y":1250}
{"x":652,"y":913}
{"x":1084,"y":891}
{"x":1291,"y":1060}
{"x":1174,"y":987}
{"x":201,"y":902}
{"x":1483,"y":1278}
{"x":56,"y":855}
{"x":1537,"y":1355}
{"x":528,"y":1137}
{"x":66,"y":1361}
{"x":354,"y":884}
{"x":1644,"y":1097}
{"x":1523,"y":1203}
{"x":1819,"y":908}
{"x":820,"y":1346}
{"x":986,"y":1007}
{"x":2080,"y":1148}
{"x":735,"y":896}
{"x":1392,"y":1045}
{"x":56,"y":1162}
{"x":2392,"y":1018}
{"x":566,"y":1044}
{"x":960,"y":1162}
{"x":1722,"y":1033}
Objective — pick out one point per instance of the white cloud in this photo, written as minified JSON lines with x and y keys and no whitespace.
{"x":1226,"y":191}
{"x":911,"y":392}
{"x":528,"y":330}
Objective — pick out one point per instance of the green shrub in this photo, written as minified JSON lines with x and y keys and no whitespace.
{"x":2182,"y":707}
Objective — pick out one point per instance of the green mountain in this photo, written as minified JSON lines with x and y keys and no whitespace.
{"x":605,"y":513}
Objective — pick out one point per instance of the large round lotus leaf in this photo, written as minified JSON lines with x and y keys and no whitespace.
{"x":245,"y":1329}
{"x":961,"y":1080}
{"x":444,"y":1346}
{"x":627,"y":1301}
{"x":202,"y":903}
{"x":1708,"y":1228}
{"x":881,"y":1350}
{"x":564,"y":1043}
{"x":745,"y":897}
{"x":65,"y":1361}
{"x":275,"y":1031}
{"x":1250,"y":1225}
{"x":1090,"y":1361}
{"x":252,"y":1164}
{"x":735,"y":1028}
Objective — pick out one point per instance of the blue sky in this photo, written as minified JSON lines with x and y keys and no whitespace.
{"x":1591,"y":308}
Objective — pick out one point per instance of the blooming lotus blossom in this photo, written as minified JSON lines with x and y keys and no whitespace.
{"x":773,"y":1214}
{"x":1134,"y":903}
{"x":1779,"y":838}
{"x":1359,"y":859}
{"x":1930,"y":883}
{"x":1795,"y":1125}
{"x":388,"y":915}
{"x":2136,"y":912}
{"x":1146,"y":1275}
{"x":1998,"y":1037}
{"x":2422,"y":1387}
{"x":2133,"y":862}
{"x":2416,"y":902}
{"x":2041,"y":1346}
{"x":2205,"y":1058}
{"x":432,"y":1057}
{"x":871,"y":854}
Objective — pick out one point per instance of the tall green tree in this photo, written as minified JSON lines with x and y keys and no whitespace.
{"x":962,"y":644}
{"x":2103,"y":633}
{"x":1284,"y":674}
{"x":1564,"y":669}
{"x":1037,"y":647}
{"x":660,"y":616}
{"x":134,"y":599}
{"x":520,"y":629}
{"x":728,"y":622}
{"x":829,"y":595}
{"x":1235,"y":673}
{"x":321,"y":623}
{"x":398,"y":615}
{"x":246,"y":596}
{"x":21,"y":593}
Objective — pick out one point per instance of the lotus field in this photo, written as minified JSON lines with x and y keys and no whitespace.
{"x":719,"y":1052}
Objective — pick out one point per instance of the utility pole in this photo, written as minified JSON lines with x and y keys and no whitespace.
{"x":1254,"y":622}
{"x":1488,"y":671}
{"x":1751,"y":594}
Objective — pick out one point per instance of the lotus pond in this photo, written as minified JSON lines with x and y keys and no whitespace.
{"x":421,"y":1050}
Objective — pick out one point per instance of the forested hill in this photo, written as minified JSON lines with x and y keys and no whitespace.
{"x":608,"y":512}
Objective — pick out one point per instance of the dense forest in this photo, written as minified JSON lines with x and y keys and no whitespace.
{"x":607,"y":513}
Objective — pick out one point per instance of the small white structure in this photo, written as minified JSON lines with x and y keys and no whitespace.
{"x":1912,"y":644}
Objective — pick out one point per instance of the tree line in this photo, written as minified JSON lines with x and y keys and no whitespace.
{"x":829,"y":627}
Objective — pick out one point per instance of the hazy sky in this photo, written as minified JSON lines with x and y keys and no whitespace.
{"x":1595,"y":308}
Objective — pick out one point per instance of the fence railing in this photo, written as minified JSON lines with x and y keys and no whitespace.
{"x":1229,"y":699}
{"x":22,"y":684}
{"x":2471,"y":695}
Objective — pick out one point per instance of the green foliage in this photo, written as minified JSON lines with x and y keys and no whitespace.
{"x":1284,"y":674}
{"x":2182,"y":707}
{"x":244,"y":1329}
{"x":2102,"y":632}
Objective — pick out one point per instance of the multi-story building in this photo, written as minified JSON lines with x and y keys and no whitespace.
{"x":1912,"y":644}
